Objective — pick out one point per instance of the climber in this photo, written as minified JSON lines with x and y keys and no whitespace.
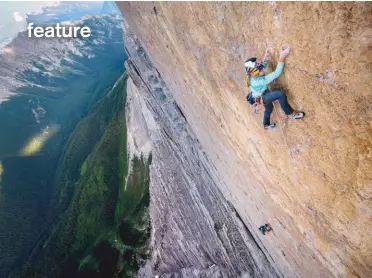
{"x":265,"y":229}
{"x":257,"y":80}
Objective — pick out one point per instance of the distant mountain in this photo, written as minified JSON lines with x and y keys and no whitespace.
{"x":37,"y":62}
{"x":47,"y":86}
{"x":103,"y":227}
{"x":14,"y":18}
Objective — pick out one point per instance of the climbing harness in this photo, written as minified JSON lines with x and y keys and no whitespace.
{"x":255,"y":102}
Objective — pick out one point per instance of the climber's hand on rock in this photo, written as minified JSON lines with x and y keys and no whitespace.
{"x":285,"y":51}
{"x":267,"y":55}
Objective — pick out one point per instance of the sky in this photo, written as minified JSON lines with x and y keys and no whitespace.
{"x":13,"y":14}
{"x":13,"y":17}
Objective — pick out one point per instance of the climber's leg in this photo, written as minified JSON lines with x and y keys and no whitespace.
{"x":282,"y":98}
{"x":268,"y":110}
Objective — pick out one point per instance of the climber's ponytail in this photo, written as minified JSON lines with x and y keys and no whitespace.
{"x":247,"y":80}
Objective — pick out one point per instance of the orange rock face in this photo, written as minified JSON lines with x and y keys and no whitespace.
{"x":311,"y":179}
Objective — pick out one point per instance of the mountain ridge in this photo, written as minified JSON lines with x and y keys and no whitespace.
{"x":48,"y":88}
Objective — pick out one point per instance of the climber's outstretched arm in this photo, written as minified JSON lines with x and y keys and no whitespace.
{"x":284,"y":52}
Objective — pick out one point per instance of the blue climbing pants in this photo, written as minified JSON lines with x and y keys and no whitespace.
{"x":268,"y":97}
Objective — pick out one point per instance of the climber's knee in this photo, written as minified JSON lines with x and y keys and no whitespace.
{"x":281,"y":94}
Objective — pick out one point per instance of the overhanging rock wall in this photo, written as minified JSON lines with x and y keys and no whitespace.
{"x":311,"y":179}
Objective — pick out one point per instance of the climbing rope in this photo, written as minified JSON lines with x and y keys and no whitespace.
{"x":280,"y":126}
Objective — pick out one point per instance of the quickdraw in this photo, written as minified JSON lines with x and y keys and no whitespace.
{"x":257,"y":102}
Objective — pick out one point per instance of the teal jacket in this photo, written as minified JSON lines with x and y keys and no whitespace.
{"x":259,"y":84}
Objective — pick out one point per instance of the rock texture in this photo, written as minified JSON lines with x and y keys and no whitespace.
{"x":196,"y":231}
{"x":311,"y":179}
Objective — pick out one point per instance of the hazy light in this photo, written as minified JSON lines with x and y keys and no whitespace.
{"x":36,"y":143}
{"x":8,"y":50}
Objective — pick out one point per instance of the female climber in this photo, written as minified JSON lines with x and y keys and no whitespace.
{"x":258,"y":81}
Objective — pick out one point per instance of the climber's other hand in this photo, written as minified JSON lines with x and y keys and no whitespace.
{"x":285,"y":51}
{"x":267,"y":54}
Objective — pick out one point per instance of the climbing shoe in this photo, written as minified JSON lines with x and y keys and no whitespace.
{"x":270,"y":126}
{"x":297,"y":115}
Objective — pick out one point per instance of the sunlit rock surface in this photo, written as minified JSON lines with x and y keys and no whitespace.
{"x":311,"y":179}
{"x":196,"y":232}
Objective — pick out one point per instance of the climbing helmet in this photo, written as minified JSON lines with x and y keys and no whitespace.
{"x":253,"y":66}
